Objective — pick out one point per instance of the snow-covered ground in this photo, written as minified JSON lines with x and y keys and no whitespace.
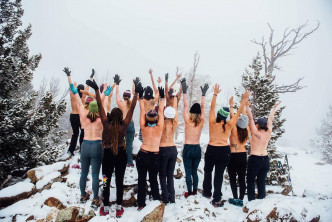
{"x":309,"y":177}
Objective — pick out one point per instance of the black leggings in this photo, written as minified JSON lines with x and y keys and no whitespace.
{"x":119,"y":162}
{"x":218,"y":157}
{"x":76,"y":126}
{"x":238,"y":166}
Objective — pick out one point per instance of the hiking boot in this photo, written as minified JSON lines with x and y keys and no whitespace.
{"x":84,"y":198}
{"x":187,"y":194}
{"x":217,"y":203}
{"x":119,"y":212}
{"x":95,"y":204}
{"x":194,"y":192}
{"x":206,"y":196}
{"x":140,"y":208}
{"x":130,"y":165}
{"x":104,"y":210}
{"x":236,"y":202}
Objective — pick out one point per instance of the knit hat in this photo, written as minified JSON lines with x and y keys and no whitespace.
{"x":88,"y":100}
{"x":195,"y":108}
{"x":148,"y":93}
{"x":169,"y":112}
{"x":93,"y":107}
{"x":261,"y":121}
{"x":151,"y":116}
{"x":242,"y":122}
{"x":223,"y":113}
{"x":171,"y":92}
{"x":79,"y":88}
{"x":101,"y":88}
{"x":127,"y":94}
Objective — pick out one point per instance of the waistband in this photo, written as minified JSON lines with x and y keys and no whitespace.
{"x":239,"y":154}
{"x":259,"y":157}
{"x":167,"y":147}
{"x":192,"y":145}
{"x":149,"y":152}
{"x":91,"y":141}
{"x":109,"y":148}
{"x":218,"y":146}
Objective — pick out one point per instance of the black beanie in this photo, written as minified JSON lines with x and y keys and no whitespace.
{"x":79,"y":88}
{"x":148,"y":93}
{"x":195,"y":108}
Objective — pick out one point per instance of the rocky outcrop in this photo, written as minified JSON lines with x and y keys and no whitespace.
{"x":6,"y":201}
{"x":67,"y":214}
{"x":53,"y":202}
{"x":156,"y":215}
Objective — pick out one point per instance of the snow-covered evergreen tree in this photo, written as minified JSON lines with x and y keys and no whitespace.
{"x":324,"y":140}
{"x":264,"y":97}
{"x":24,"y":121}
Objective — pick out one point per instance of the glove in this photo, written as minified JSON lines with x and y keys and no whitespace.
{"x":66,"y":70}
{"x":92,"y":84}
{"x":136,"y":81}
{"x":204,"y":89}
{"x":161,"y":92}
{"x":117,"y":79}
{"x":184,"y":85}
{"x":73,"y":89}
{"x":166,"y":77}
{"x":139,"y":88}
{"x":92,"y":74}
{"x":108,"y":91}
{"x":140,"y":93}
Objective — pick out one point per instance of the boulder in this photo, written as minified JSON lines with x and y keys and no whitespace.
{"x":156,"y":215}
{"x":31,"y":174}
{"x":178,"y":160}
{"x":67,"y":214}
{"x":6,"y":201}
{"x":53,"y":202}
{"x":179,"y":174}
{"x":52,"y":215}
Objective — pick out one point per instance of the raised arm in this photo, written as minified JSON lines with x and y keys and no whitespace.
{"x":71,"y":85}
{"x":204,"y":89}
{"x":244,"y":99}
{"x":129,"y":116}
{"x":161,"y":107}
{"x":178,"y":76}
{"x":271,"y":117}
{"x":86,"y":88}
{"x":252,"y":126}
{"x":141,"y":107}
{"x":212,"y":116}
{"x":102,"y":113}
{"x":153,"y":83}
{"x":166,"y":85}
{"x":117,"y":81}
{"x":185,"y":102}
{"x":108,"y":107}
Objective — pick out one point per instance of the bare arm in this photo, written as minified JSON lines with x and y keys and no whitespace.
{"x":142,"y":113}
{"x":271,"y":117}
{"x":216,"y":90}
{"x":118,"y":99}
{"x":153,"y":83}
{"x":202,"y":108}
{"x":231,"y":109}
{"x":244,"y":99}
{"x":185,"y":108}
{"x":252,"y":126}
{"x":178,"y":76}
{"x":130,"y":112}
{"x":101,"y":109}
{"x":161,"y":112}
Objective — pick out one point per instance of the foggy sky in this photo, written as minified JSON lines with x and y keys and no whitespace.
{"x":129,"y":37}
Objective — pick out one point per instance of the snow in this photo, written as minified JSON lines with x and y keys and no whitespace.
{"x":308,"y":178}
{"x":16,"y":189}
{"x":44,"y":170}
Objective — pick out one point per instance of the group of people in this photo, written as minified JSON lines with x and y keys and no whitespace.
{"x":107,"y":136}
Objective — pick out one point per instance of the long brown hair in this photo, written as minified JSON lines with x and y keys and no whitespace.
{"x":166,"y":120}
{"x":242,"y":134}
{"x":196,"y":118}
{"x":92,"y":116}
{"x":115,"y":119}
{"x":128,"y":102}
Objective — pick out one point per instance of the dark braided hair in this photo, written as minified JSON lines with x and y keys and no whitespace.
{"x":115,"y":119}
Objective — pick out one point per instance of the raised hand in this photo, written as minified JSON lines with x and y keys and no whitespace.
{"x":246,"y":95}
{"x":178,"y":76}
{"x":184,"y":85}
{"x":204,"y":89}
{"x":117,"y":79}
{"x":216,"y":89}
{"x":108,"y":91}
{"x":150,"y":71}
{"x":231,"y":102}
{"x":66,"y":70}
{"x":92,"y":74}
{"x":161,"y":92}
{"x":141,"y":91}
{"x":166,"y":77}
{"x":159,"y":80}
{"x":92,"y":84}
{"x":136,"y":80}
{"x":277,"y":104}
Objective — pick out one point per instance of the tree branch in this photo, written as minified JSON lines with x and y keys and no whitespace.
{"x":291,"y":88}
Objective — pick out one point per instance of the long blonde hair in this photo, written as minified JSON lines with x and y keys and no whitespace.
{"x":172,"y":120}
{"x":196,"y":118}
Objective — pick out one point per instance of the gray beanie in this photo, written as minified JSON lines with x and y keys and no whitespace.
{"x":242,"y":122}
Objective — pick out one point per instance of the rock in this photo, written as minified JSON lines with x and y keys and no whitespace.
{"x":254,"y":216}
{"x":6,"y":201}
{"x":286,"y":190}
{"x":245,"y":210}
{"x":131,"y":202}
{"x":92,"y":213}
{"x":315,"y":219}
{"x":30,"y":218}
{"x":179,"y":174}
{"x":52,"y":215}
{"x":156,"y":215}
{"x":178,"y":160}
{"x":64,"y":170}
{"x":31,"y":174}
{"x":53,"y":202}
{"x":319,"y":163}
{"x":67,"y":214}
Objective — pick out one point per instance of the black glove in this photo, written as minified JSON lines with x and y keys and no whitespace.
{"x":66,"y":70}
{"x":204,"y":89}
{"x":117,"y":79}
{"x":139,"y":88}
{"x":136,"y":80}
{"x":92,"y":84}
{"x":184,"y":85}
{"x":140,"y":93}
{"x":166,"y":77}
{"x":92,"y":74}
{"x":161,"y":92}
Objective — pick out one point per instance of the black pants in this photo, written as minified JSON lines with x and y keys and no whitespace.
{"x":147,"y":162}
{"x":218,"y":157}
{"x":258,"y":166}
{"x":167,"y":161}
{"x":119,"y":162}
{"x":76,"y":126}
{"x":237,"y":167}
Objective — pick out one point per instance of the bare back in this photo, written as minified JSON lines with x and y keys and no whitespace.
{"x":74,"y":105}
{"x":236,"y":146}
{"x":192,"y":133}
{"x":259,"y":142}
{"x":124,"y":108}
{"x":149,"y":104}
{"x":151,"y":138}
{"x":219,"y":137}
{"x":167,"y":138}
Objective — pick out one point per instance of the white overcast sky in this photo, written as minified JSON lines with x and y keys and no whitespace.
{"x":129,"y":37}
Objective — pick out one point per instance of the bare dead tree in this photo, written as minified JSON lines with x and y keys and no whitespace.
{"x":191,"y":84}
{"x":272,"y":51}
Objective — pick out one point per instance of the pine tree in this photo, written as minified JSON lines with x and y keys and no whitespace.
{"x":264,"y":96}
{"x":24,"y":121}
{"x":324,"y":140}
